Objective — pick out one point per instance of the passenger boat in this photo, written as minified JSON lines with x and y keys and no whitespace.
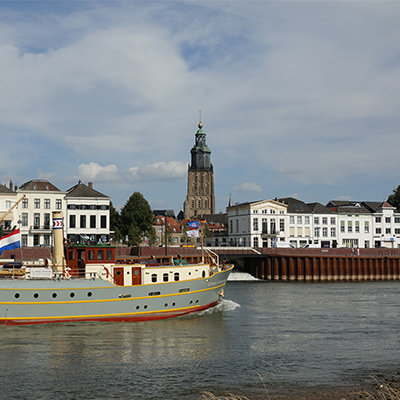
{"x":101,"y":289}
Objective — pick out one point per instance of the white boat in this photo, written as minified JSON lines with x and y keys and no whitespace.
{"x":100,"y":289}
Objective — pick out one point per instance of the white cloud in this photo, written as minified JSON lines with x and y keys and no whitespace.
{"x":157,"y":172}
{"x":248,"y":187}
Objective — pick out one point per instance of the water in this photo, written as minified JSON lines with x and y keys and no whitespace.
{"x":297,"y":336}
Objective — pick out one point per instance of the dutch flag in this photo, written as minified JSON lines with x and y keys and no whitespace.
{"x":10,"y":241}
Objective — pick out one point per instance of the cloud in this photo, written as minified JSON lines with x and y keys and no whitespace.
{"x":248,"y":187}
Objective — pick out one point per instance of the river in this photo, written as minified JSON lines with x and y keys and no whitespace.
{"x":296,"y":336}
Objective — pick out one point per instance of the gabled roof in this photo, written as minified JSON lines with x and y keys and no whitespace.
{"x":82,"y":190}
{"x":168,"y":213}
{"x":296,"y":206}
{"x":318,"y":208}
{"x":5,"y":189}
{"x":40,"y":185}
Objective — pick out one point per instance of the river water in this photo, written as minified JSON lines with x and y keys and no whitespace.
{"x":296,"y":336}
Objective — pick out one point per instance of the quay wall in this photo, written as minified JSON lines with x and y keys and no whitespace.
{"x":283,"y":267}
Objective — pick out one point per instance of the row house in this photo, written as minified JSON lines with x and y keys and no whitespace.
{"x":338,"y":224}
{"x":173,"y":228}
{"x":85,"y":211}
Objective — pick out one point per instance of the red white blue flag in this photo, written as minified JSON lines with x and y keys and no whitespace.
{"x":10,"y":241}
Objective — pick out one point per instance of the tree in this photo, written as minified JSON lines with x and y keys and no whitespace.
{"x":136,"y":218}
{"x":394,"y":199}
{"x":115,"y":224}
{"x":152,"y":237}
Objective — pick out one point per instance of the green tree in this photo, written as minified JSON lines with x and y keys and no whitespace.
{"x":152,"y":237}
{"x":115,"y":224}
{"x":394,"y":199}
{"x":136,"y":218}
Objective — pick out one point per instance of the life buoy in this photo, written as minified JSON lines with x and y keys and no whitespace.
{"x":103,"y":270}
{"x":66,"y":273}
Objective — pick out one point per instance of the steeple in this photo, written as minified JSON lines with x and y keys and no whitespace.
{"x":201,"y":154}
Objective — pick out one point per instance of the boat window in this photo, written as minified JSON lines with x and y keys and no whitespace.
{"x":176,"y":276}
{"x":137,"y":307}
{"x":91,"y":254}
{"x":72,"y":294}
{"x":154,"y":277}
{"x":16,"y":295}
{"x":100,"y":254}
{"x":36,"y":295}
{"x":54,"y":295}
{"x":89,"y":294}
{"x":71,"y":255}
{"x":166,"y":305}
{"x":203,"y":274}
{"x":109,"y":254}
{"x":154,"y":293}
{"x":165,"y":277}
{"x":184,"y":290}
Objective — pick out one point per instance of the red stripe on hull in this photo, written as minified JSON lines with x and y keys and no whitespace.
{"x":133,"y":318}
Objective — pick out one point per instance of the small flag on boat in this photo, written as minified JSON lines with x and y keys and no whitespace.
{"x":10,"y":241}
{"x":193,"y":224}
{"x":203,"y":221}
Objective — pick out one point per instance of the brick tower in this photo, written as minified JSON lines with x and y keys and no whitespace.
{"x":200,"y":198}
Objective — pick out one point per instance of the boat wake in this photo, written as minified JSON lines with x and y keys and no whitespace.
{"x":242,"y":276}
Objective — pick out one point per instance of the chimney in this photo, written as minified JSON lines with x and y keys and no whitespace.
{"x":90,"y":184}
{"x":11,"y":185}
{"x":15,"y":188}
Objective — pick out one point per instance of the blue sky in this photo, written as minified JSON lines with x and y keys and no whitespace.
{"x":298,"y":98}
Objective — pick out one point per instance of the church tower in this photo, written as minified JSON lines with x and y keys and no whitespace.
{"x":200,"y":198}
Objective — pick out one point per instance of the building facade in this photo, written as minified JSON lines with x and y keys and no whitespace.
{"x":87,"y":214}
{"x":200,"y":199}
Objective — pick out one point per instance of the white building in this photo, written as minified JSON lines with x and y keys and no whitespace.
{"x":257,"y":224}
{"x":34,"y":216}
{"x":8,"y":207}
{"x":88,"y":214}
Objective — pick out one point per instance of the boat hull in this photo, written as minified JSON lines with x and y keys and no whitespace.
{"x":46,"y":301}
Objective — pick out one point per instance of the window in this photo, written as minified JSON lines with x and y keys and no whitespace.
{"x":387,"y":220}
{"x":349,"y":226}
{"x":255,"y":224}
{"x":231,"y":226}
{"x":24,"y":240}
{"x":72,"y":221}
{"x":91,"y":254}
{"x":83,"y":221}
{"x":388,"y":231}
{"x":325,"y":232}
{"x":333,"y":232}
{"x":255,"y":242}
{"x":333,"y":221}
{"x":37,"y":203}
{"x":165,"y":277}
{"x":316,"y":220}
{"x":273,"y":226}
{"x":282,"y":225}
{"x":25,"y":203}
{"x":307,"y":220}
{"x":378,"y":230}
{"x":378,"y":220}
{"x":316,"y":232}
{"x":46,"y":240}
{"x":154,"y":278}
{"x":58,"y":204}
{"x":36,"y":240}
{"x":47,"y":221}
{"x":8,"y":204}
{"x":366,"y":226}
{"x":291,"y":219}
{"x":397,"y":220}
{"x":397,"y":231}
{"x":342,"y":226}
{"x":24,"y":219}
{"x":357,"y":227}
{"x":93,"y":221}
{"x":109,"y":254}
{"x":299,"y":219}
{"x":176,"y":276}
{"x":47,"y":203}
{"x":100,"y":254}
{"x":325,"y":220}
{"x":103,"y":221}
{"x":237,"y":226}
{"x":36,"y":221}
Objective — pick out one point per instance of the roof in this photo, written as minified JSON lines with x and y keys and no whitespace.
{"x":296,"y":206}
{"x":168,"y":213}
{"x":5,"y":189}
{"x":318,"y":208}
{"x":82,"y":190}
{"x":39,"y":185}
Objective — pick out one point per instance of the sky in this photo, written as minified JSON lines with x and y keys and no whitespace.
{"x":297,"y":98}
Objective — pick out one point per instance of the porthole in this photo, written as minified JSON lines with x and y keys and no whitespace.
{"x":166,"y":305}
{"x":72,"y":294}
{"x":173,"y":304}
{"x":191,"y":302}
{"x":89,"y":294}
{"x":145,"y":307}
{"x":36,"y":295}
{"x":118,"y":273}
{"x":17,"y":295}
{"x":197,"y":301}
{"x":54,"y":295}
{"x":203,"y":274}
{"x":137,"y":307}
